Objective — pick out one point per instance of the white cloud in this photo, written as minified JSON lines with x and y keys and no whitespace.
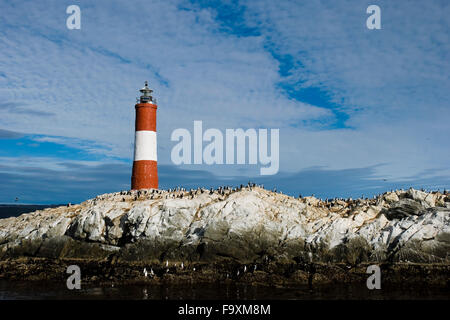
{"x":392,"y":82}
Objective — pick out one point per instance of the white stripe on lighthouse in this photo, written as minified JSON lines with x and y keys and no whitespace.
{"x":145,"y":145}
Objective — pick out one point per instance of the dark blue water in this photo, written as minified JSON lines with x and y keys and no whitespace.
{"x":13,"y":290}
{"x":15,"y":210}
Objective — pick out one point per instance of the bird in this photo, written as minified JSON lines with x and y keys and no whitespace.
{"x":193,"y":269}
{"x":145,"y":272}
{"x":237,"y":274}
{"x":167,"y":263}
{"x":182,"y":265}
{"x":145,"y":293}
{"x":245,"y":268}
{"x":151,"y":272}
{"x":254,"y":269}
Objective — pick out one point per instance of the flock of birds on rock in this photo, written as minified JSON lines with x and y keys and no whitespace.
{"x":152,"y":274}
{"x":177,"y":193}
{"x":223,"y":191}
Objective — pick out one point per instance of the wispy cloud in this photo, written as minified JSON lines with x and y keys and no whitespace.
{"x":20,"y":109}
{"x":87,"y":146}
{"x":6,"y":134}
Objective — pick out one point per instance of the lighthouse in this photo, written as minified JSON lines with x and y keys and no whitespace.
{"x":145,"y":169}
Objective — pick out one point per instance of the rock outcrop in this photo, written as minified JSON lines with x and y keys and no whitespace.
{"x":244,"y":225}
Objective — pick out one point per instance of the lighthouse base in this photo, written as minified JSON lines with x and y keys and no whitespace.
{"x":145,"y":175}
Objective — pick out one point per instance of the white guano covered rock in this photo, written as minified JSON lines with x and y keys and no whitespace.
{"x":250,"y":218}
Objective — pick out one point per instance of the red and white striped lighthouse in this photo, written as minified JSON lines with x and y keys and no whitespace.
{"x":145,"y":169}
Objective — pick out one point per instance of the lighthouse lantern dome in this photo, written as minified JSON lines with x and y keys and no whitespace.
{"x":146,"y":94}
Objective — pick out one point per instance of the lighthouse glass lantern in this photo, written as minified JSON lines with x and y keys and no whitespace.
{"x":146,"y":94}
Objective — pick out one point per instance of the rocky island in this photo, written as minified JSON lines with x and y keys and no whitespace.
{"x":245,"y":234}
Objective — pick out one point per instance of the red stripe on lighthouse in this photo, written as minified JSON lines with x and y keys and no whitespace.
{"x":146,"y":116}
{"x":145,"y":175}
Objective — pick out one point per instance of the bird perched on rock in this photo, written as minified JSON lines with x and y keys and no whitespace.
{"x":145,"y":272}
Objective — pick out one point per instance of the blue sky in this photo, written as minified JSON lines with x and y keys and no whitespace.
{"x":359,"y":111}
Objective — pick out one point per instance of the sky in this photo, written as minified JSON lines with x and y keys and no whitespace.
{"x":359,"y":111}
